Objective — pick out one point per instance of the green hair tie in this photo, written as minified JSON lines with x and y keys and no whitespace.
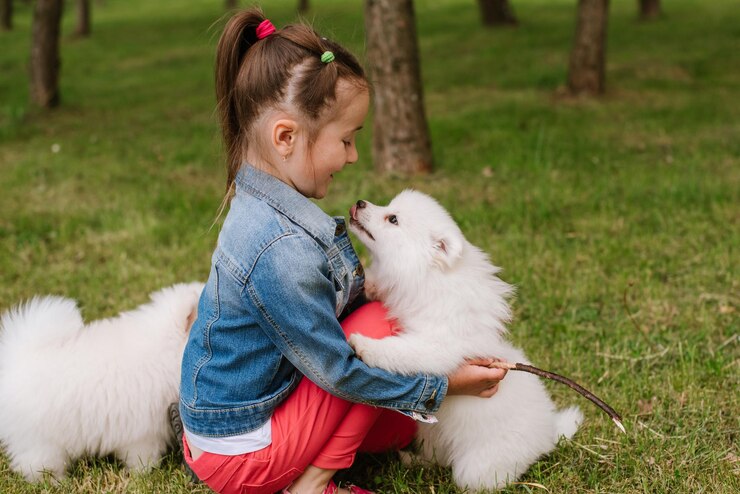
{"x":327,"y":57}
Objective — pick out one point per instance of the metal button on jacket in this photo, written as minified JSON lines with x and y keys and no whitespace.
{"x":431,"y":401}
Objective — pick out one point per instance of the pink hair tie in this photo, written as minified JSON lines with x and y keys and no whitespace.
{"x":265,"y":29}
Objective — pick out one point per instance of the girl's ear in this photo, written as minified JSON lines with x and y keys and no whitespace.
{"x":447,"y":249}
{"x":284,"y":133}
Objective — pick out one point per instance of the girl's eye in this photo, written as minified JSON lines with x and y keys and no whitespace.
{"x":392,"y":219}
{"x":346,"y":143}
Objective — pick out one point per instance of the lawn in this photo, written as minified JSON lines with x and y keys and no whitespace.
{"x":618,"y":220}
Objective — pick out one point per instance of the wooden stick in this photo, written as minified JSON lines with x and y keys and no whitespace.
{"x":616,"y":418}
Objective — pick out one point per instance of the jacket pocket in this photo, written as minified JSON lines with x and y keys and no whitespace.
{"x":341,"y":288}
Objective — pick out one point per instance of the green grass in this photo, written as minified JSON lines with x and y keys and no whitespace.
{"x":618,"y":220}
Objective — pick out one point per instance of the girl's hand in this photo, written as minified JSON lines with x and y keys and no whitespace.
{"x":475,"y":378}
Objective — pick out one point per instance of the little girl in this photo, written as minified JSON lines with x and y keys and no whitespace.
{"x":272,"y":396}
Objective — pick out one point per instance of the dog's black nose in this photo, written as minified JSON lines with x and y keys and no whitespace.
{"x":361,"y":204}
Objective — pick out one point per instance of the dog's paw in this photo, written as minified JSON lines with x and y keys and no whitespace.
{"x":355,"y":341}
{"x":362,"y":345}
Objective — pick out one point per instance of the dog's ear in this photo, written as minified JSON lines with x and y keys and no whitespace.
{"x":447,"y":249}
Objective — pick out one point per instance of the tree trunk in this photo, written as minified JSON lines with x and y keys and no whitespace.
{"x":588,"y":58}
{"x":303,"y":6}
{"x":400,"y":133}
{"x":497,"y":13}
{"x":47,"y":15}
{"x":649,"y":9}
{"x":83,"y":19}
{"x":6,"y":15}
{"x":231,"y":4}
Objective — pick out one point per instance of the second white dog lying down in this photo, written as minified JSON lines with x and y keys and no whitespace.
{"x":446,"y":296}
{"x":71,"y":390}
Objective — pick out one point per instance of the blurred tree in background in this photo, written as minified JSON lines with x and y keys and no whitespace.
{"x":83,"y":19}
{"x":6,"y":15}
{"x":400,"y":133}
{"x":497,"y":13}
{"x":586,"y":74}
{"x":650,"y":9}
{"x":45,"y":62}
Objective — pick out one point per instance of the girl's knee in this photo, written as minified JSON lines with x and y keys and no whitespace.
{"x":369,"y":320}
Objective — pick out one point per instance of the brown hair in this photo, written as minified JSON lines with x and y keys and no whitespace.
{"x":285,"y":67}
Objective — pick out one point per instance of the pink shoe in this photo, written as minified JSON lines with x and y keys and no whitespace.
{"x":332,"y":489}
{"x":353,"y":489}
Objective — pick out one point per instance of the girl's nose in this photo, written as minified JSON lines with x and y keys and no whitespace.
{"x":361,"y":204}
{"x":353,"y":155}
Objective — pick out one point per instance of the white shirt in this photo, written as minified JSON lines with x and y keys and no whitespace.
{"x":233,"y":445}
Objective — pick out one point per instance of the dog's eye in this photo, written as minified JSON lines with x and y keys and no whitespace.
{"x":392,"y":219}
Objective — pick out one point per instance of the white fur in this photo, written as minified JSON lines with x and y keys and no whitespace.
{"x":451,"y":305}
{"x":71,"y":390}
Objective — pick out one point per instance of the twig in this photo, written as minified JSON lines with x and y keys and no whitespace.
{"x":635,"y":359}
{"x":658,"y":434}
{"x":532,"y":484}
{"x":718,"y":296}
{"x":602,"y":458}
{"x":729,"y":340}
{"x":596,"y":453}
{"x":616,"y":418}
{"x":610,"y":441}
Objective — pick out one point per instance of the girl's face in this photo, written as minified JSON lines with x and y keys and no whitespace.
{"x":334,"y":147}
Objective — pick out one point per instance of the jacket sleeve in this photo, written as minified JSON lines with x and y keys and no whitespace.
{"x":291,"y":291}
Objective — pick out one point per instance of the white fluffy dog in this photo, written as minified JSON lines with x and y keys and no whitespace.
{"x":71,"y":390}
{"x":446,"y":296}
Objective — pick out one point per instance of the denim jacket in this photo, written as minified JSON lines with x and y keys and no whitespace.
{"x":281,"y":273}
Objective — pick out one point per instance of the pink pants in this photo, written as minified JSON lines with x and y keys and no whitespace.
{"x":311,"y":427}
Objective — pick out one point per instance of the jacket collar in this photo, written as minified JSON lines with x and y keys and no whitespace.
{"x":288,"y":201}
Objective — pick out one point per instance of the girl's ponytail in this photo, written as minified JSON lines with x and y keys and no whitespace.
{"x":239,"y":35}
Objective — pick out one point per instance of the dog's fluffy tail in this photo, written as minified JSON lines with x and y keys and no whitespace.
{"x":38,"y":322}
{"x":567,"y":422}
